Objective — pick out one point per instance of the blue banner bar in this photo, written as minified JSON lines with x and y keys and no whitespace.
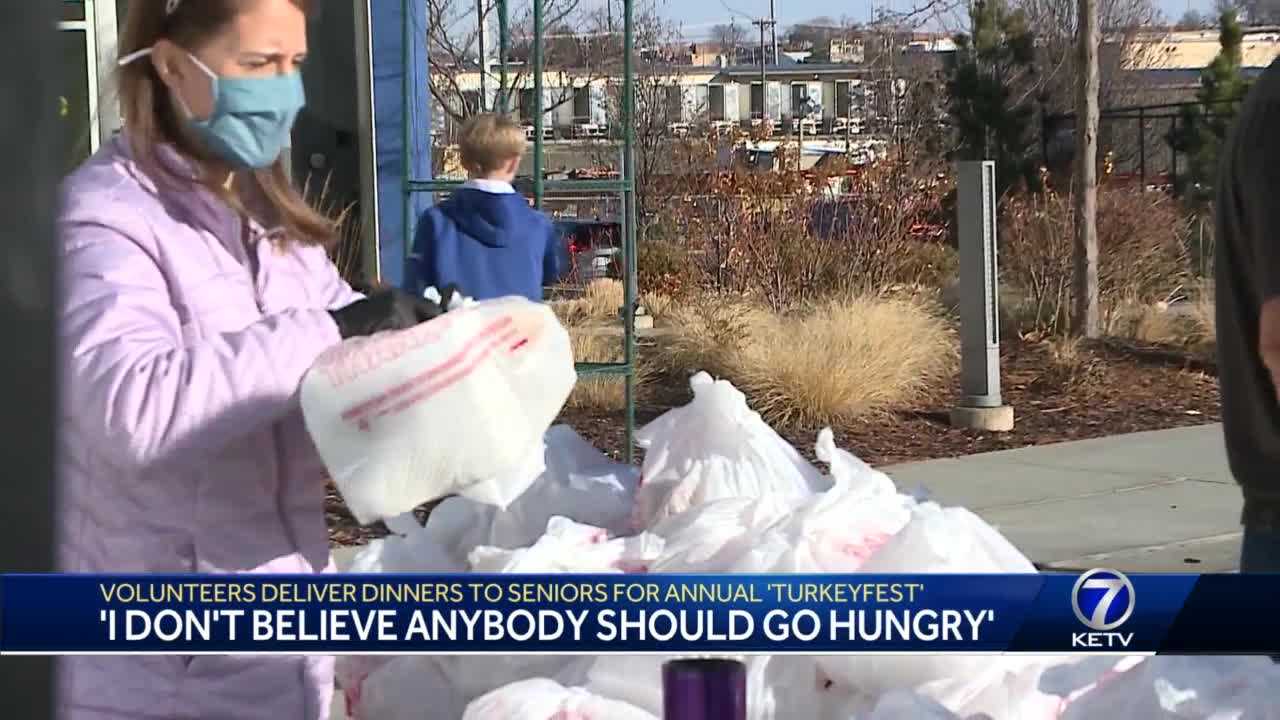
{"x":1098,"y":612}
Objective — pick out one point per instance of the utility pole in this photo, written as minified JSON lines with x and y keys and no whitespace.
{"x":764,"y":24}
{"x":1086,"y":317}
{"x":773,"y":28}
{"x":484,"y":60}
{"x":800,"y":148}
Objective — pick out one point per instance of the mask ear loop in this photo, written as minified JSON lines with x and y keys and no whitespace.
{"x":133,"y":57}
{"x":182,"y":104}
{"x":200,"y":64}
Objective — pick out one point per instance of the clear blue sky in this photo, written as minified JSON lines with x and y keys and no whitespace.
{"x":699,"y":15}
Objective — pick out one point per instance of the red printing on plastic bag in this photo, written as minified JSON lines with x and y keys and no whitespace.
{"x":390,"y":394}
{"x":445,"y":382}
{"x":439,"y":379}
{"x":348,"y":361}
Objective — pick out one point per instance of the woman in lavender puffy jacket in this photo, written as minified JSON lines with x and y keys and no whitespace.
{"x":197,"y":292}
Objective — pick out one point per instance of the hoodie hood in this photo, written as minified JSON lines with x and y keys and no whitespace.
{"x":494,"y":219}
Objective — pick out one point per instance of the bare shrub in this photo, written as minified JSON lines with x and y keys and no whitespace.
{"x":789,"y":237}
{"x":1142,"y":253}
{"x":665,"y":267}
{"x":1070,"y":365}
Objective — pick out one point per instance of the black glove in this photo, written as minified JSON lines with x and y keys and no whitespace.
{"x":446,"y":296}
{"x":391,"y":309}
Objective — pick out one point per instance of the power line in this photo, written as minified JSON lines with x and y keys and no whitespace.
{"x":739,"y":13}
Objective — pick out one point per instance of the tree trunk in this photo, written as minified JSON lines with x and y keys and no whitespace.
{"x":1086,"y":316}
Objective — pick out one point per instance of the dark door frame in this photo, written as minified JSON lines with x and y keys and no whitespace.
{"x":29,"y":143}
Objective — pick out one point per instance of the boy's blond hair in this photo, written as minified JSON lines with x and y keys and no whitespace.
{"x":488,"y":142}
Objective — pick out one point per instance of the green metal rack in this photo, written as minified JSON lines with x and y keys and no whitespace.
{"x":624,"y":188}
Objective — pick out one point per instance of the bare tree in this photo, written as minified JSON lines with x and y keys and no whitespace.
{"x":1123,"y":27}
{"x":1056,"y":25}
{"x":660,"y":101}
{"x":1087,"y":317}
{"x":1256,"y":12}
{"x":1222,"y":6}
{"x":1192,"y":20}
{"x":729,"y":37}
{"x":453,"y":35}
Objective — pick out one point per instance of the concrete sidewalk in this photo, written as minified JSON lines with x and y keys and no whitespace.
{"x":1151,"y":502}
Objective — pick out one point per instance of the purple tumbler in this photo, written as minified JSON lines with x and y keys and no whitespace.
{"x":704,"y":690}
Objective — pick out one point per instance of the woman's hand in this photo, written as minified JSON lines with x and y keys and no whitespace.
{"x":388,"y":309}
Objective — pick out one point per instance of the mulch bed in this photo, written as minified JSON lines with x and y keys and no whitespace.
{"x":1116,"y":389}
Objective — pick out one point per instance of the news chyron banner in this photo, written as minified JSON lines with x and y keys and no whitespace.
{"x":1101,"y":611}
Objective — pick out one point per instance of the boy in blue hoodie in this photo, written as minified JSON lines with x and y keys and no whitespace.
{"x":485,"y":239}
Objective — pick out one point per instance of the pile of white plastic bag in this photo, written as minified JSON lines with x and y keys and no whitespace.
{"x":720,"y":491}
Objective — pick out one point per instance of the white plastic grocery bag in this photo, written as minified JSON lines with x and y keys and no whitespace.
{"x":579,"y":483}
{"x":405,"y":688}
{"x":712,"y":537}
{"x":543,"y":699}
{"x":472,"y":676}
{"x":947,"y":540}
{"x":456,"y":405}
{"x":716,"y":447}
{"x":1005,"y":687}
{"x":832,"y":532}
{"x":582,"y":484}
{"x":572,"y":547}
{"x":410,"y":548}
{"x":906,"y":705}
{"x":349,"y":674}
{"x":935,"y":540}
{"x":1170,"y":687}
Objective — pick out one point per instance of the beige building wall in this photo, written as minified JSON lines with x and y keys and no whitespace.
{"x":1194,"y":49}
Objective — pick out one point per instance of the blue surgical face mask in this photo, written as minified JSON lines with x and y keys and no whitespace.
{"x":252,"y":116}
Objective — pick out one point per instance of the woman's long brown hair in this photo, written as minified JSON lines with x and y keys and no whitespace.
{"x":150,"y":120}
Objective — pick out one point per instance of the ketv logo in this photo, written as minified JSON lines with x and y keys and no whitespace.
{"x":1103,"y":601}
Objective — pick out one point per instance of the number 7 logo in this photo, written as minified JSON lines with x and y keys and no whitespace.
{"x":1091,"y":609}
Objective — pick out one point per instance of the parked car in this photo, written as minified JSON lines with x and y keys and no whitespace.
{"x":548,"y":132}
{"x":846,"y":126}
{"x":589,"y":249}
{"x":811,"y":125}
{"x":721,"y":128}
{"x":775,"y":125}
{"x":590,"y":131}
